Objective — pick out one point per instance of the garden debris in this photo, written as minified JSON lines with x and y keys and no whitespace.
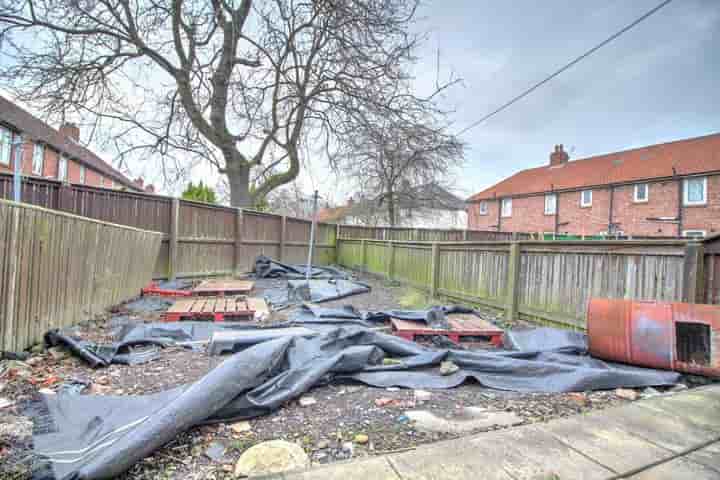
{"x":275,"y":456}
{"x":229,"y":341}
{"x":422,"y":395}
{"x":361,"y":439}
{"x":216,"y":452}
{"x":58,"y":353}
{"x":241,"y":427}
{"x":448,"y":368}
{"x":306,"y":401}
{"x":471,"y":419}
{"x":15,"y":369}
{"x":265,"y":267}
{"x":124,"y":352}
{"x":266,"y":376}
{"x":626,"y":393}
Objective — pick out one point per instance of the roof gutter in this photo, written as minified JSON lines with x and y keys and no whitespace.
{"x":597,"y":186}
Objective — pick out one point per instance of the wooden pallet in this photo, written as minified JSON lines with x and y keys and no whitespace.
{"x":155,"y":291}
{"x":217,"y":309}
{"x":219,"y":288}
{"x":461,"y":325}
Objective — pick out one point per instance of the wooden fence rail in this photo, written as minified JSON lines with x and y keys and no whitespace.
{"x":546,"y":281}
{"x":58,"y":269}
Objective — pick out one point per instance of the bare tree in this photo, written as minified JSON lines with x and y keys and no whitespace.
{"x":239,"y":83}
{"x":402,"y":161}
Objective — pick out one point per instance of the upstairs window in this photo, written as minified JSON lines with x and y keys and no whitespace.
{"x":82,"y":173}
{"x":506,"y":207}
{"x":38,"y":159}
{"x":483,"y":208}
{"x":641,"y":193}
{"x":5,"y":146}
{"x":550,"y":204}
{"x":62,"y":168}
{"x":586,"y":198}
{"x":695,"y":191}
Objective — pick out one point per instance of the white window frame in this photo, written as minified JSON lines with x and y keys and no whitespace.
{"x":686,"y":199}
{"x":82,"y":174}
{"x":551,"y":208}
{"x":62,"y":168}
{"x":38,"y":158}
{"x":483,"y":207}
{"x":6,"y":144}
{"x":689,"y":233}
{"x":635,"y":193}
{"x":583,"y":203}
{"x":506,"y":207}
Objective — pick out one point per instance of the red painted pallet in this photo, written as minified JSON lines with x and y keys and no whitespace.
{"x":154,"y":290}
{"x":218,"y":288}
{"x":217,"y":309}
{"x":461,"y":325}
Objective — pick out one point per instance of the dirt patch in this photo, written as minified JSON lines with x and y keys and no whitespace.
{"x":327,"y":428}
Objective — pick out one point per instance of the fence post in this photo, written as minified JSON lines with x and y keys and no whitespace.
{"x":511,"y":302}
{"x":391,"y":260}
{"x":9,"y":342}
{"x":465,"y":235}
{"x":435,"y":269}
{"x":363,"y":249}
{"x":693,"y":273}
{"x":237,"y":252}
{"x":65,"y":198}
{"x":283,"y":234}
{"x":173,"y":244}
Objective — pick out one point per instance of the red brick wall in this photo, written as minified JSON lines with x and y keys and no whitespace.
{"x":92,"y":178}
{"x":73,"y":175}
{"x":50,"y":163}
{"x":631,"y":217}
{"x":705,"y":217}
{"x":578,"y":220}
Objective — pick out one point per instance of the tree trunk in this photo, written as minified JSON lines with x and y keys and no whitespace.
{"x":239,"y":180}
{"x":391,"y":209}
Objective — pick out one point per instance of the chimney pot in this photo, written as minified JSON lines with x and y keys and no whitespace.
{"x":559,"y":156}
{"x":70,"y":130}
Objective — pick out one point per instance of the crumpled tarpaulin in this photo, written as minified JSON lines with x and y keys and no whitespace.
{"x":92,"y":437}
{"x":266,"y":267}
{"x":319,"y":291}
{"x":127,"y":351}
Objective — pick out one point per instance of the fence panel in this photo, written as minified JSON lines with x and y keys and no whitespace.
{"x":58,"y":269}
{"x":413,"y":263}
{"x":479,"y":272}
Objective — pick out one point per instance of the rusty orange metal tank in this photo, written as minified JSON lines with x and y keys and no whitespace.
{"x":672,"y":336}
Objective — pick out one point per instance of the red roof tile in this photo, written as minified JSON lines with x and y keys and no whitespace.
{"x":691,"y":156}
{"x":26,"y":123}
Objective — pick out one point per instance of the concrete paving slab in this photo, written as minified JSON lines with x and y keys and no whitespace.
{"x":531,"y":453}
{"x":609,"y":445}
{"x":370,"y":469}
{"x":708,"y":456}
{"x":667,"y":431}
{"x":680,"y":468}
{"x":698,"y":408}
{"x":455,"y":459}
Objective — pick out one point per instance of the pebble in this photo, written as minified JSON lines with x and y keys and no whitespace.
{"x":307,"y":401}
{"x":322,"y":444}
{"x":626,"y":393}
{"x":274,"y":456}
{"x":215,"y":451}
{"x":349,"y":448}
{"x":422,"y":395}
{"x":448,"y":368}
{"x":240,"y":427}
{"x":361,"y":439}
{"x":6,"y":402}
{"x":58,"y":353}
{"x":392,"y":361}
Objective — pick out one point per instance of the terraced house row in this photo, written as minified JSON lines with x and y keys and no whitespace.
{"x":45,"y":152}
{"x":663,"y":190}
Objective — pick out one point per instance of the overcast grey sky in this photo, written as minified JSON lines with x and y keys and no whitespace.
{"x":658,"y":82}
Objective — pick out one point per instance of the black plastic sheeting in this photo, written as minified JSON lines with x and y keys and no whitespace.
{"x":321,"y":290}
{"x":127,"y":351}
{"x":266,"y":267}
{"x":92,"y":437}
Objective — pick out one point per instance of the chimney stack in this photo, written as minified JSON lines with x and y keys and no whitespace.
{"x":140,"y":182}
{"x":70,"y":130}
{"x":559,"y":156}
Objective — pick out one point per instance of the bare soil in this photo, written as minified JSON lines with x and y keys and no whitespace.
{"x":325,"y":429}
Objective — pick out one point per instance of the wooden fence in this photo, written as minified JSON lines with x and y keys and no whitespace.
{"x":426,"y":234}
{"x":58,"y":269}
{"x":546,"y":281}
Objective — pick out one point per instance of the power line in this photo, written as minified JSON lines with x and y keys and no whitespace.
{"x":562,"y":69}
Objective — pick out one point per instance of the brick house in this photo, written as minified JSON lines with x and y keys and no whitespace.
{"x":669,"y":189}
{"x":49,"y":153}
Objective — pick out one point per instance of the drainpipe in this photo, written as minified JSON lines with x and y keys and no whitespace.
{"x":17,"y":170}
{"x":610,"y":211}
{"x":557,"y":213}
{"x":499,"y":217}
{"x":680,"y":203}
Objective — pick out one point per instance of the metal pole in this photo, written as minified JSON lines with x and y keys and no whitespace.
{"x":312,"y":237}
{"x":17,"y":171}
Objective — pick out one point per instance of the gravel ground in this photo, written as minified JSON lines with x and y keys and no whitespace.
{"x":325,"y":428}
